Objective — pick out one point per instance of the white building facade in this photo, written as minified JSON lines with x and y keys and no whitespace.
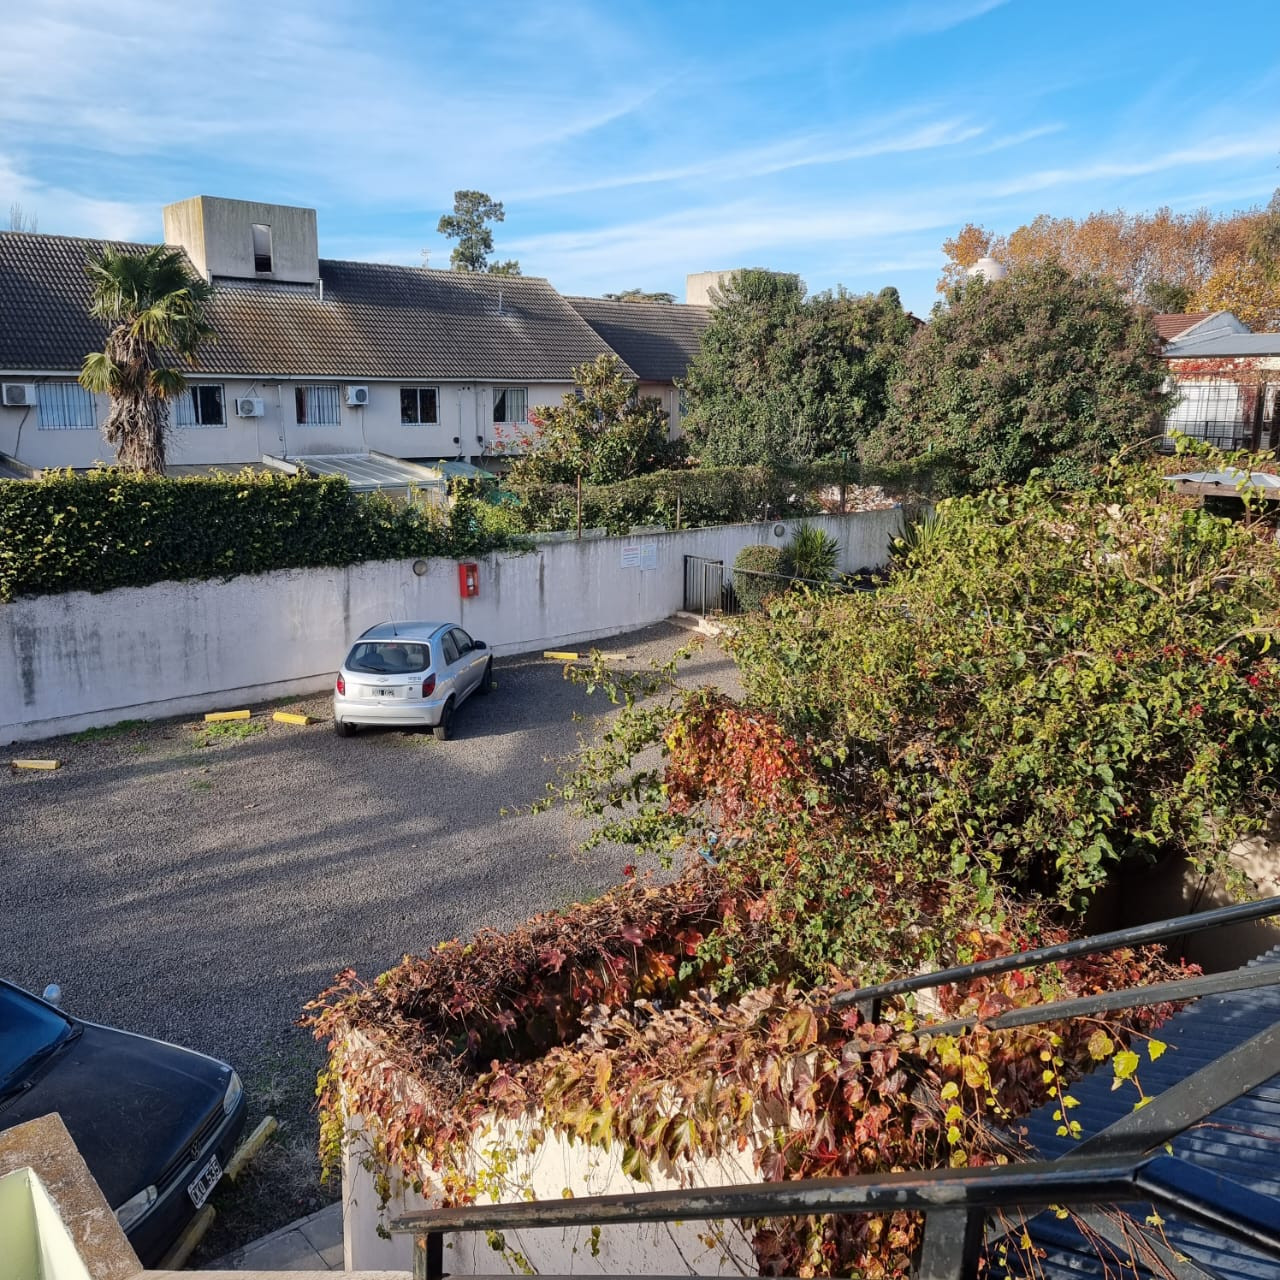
{"x":311,"y":356}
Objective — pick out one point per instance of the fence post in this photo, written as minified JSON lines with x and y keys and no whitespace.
{"x":579,"y":504}
{"x":952,"y":1239}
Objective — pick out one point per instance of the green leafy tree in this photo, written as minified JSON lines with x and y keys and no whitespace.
{"x":640,"y":295}
{"x":1039,"y":370}
{"x":783,"y":378}
{"x":1169,"y":298}
{"x":603,"y":432}
{"x":153,"y":307}
{"x":1264,"y":243}
{"x":468,"y":224}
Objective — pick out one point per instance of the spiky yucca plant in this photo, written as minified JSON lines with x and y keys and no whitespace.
{"x":811,"y":555}
{"x":156,"y":310}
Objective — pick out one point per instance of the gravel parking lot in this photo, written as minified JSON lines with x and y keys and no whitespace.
{"x":201,"y":887}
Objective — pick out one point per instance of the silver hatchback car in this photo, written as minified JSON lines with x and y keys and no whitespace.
{"x":411,"y":674}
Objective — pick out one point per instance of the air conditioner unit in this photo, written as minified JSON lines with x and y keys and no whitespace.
{"x":357,"y":397}
{"x":18,"y":395}
{"x":248,"y":406}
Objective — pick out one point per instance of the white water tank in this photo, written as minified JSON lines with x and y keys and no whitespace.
{"x":988,"y":268}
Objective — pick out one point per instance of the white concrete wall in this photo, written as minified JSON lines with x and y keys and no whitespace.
{"x":73,"y":661}
{"x":218,"y":236}
{"x":553,"y":1166}
{"x":465,"y":428}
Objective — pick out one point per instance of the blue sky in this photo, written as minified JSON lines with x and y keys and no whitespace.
{"x":632,"y":143}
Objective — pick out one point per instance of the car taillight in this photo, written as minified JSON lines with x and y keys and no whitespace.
{"x":341,"y":686}
{"x":428,"y":686}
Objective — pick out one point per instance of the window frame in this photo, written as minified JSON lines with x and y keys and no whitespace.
{"x":192,"y":397}
{"x":69,"y":395}
{"x":1210,"y":409}
{"x":500,"y":397}
{"x":256,"y":241}
{"x":417,"y":392}
{"x":304,"y":396}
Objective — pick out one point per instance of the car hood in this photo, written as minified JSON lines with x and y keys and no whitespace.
{"x":132,"y":1105}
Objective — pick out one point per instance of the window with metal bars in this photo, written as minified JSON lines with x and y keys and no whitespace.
{"x":1211,"y":411}
{"x":419,"y":405}
{"x":200,"y":406}
{"x":317,"y":405}
{"x":65,"y":406}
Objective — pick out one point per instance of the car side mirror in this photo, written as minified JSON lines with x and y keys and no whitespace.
{"x":479,"y":644}
{"x":52,"y":994}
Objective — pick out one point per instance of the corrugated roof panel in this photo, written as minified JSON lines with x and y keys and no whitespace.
{"x":364,"y":471}
{"x":1240,"y":1141}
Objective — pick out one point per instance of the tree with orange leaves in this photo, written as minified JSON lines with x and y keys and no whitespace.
{"x":1163,"y":259}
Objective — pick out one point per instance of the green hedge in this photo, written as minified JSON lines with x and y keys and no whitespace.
{"x":702,"y":496}
{"x":105,"y":529}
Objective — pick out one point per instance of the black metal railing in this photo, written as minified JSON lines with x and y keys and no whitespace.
{"x":1133,"y":936}
{"x":1119,"y":1165}
{"x":1214,"y":432}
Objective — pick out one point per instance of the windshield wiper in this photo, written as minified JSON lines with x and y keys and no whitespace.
{"x":73,"y":1032}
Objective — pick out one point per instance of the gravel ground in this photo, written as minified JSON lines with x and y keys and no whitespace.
{"x":203,"y":893}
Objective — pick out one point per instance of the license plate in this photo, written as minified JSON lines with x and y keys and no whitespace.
{"x":205,"y":1182}
{"x":387,"y":693}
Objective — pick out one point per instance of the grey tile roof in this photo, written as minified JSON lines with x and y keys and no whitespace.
{"x":374,"y":321}
{"x":1224,"y":344}
{"x":657,"y":339}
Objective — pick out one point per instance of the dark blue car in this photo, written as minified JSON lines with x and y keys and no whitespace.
{"x":155,"y":1124}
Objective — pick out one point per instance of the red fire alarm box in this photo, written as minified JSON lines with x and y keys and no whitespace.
{"x":468,"y":580}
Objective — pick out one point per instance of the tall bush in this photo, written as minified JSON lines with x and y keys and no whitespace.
{"x":706,"y":496}
{"x":1059,"y":684}
{"x":758,"y":573}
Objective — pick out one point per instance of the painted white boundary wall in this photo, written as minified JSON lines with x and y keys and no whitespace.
{"x":546,"y":1170}
{"x":75,"y":661}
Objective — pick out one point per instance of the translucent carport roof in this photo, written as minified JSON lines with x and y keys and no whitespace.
{"x":366,"y":471}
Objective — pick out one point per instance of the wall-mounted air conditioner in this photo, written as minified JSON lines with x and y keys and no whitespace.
{"x":18,"y":395}
{"x":357,"y":397}
{"x":248,"y":406}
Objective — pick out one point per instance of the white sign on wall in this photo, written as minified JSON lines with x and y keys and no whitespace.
{"x":639,"y":555}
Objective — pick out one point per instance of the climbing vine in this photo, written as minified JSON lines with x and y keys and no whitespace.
{"x":640,"y":1058}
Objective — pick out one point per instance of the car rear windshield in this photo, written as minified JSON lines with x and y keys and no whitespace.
{"x":389,"y":657}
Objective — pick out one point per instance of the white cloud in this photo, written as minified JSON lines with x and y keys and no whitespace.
{"x":777,"y":157}
{"x":1208,"y":152}
{"x":59,"y":211}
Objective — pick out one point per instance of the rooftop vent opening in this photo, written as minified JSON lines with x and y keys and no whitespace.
{"x":261,"y":247}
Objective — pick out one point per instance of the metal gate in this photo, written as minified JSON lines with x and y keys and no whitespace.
{"x":705,"y":585}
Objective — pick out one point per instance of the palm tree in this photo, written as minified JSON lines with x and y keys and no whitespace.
{"x":156,"y":310}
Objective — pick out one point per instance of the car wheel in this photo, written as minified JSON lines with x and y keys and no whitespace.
{"x":486,"y":680}
{"x":441,"y":731}
{"x":343,"y":729}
